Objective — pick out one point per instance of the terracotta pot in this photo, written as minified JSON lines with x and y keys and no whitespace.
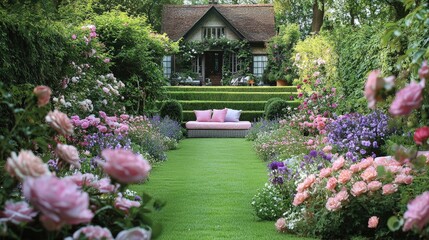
{"x":281,"y":83}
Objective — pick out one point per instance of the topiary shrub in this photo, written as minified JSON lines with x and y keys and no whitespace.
{"x":269,"y":101}
{"x":172,"y":109}
{"x":276,"y":109}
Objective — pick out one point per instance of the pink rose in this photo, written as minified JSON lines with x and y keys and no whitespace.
{"x":386,"y":161}
{"x":81,"y":179}
{"x":93,"y":233}
{"x":389,"y":189}
{"x":124,"y":165}
{"x":421,"y":135}
{"x":355,"y":167}
{"x":102,"y":114}
{"x":373,"y":222}
{"x":74,"y":36}
{"x":104,"y":186}
{"x":369,"y":174}
{"x":342,"y":195}
{"x":325,"y":172}
{"x":404,"y":179}
{"x":84,"y":124}
{"x":300,"y":198}
{"x":124,"y":204}
{"x":338,"y":164}
{"x":331,"y":184}
{"x":374,"y":186}
{"x":333,"y":204}
{"x":345,"y":176}
{"x":106,"y":60}
{"x":424,"y":71}
{"x":68,"y":154}
{"x":406,"y":171}
{"x":406,"y":100}
{"x":327,"y":149}
{"x":43,"y":94}
{"x":60,"y":201}
{"x":124,"y":116}
{"x":309,"y":181}
{"x":134,"y":233}
{"x":281,"y":225}
{"x":60,"y":122}
{"x":373,"y":85}
{"x":417,"y":214}
{"x":18,"y":212}
{"x":369,"y":161}
{"x":359,"y":188}
{"x":102,"y":129}
{"x":26,"y":164}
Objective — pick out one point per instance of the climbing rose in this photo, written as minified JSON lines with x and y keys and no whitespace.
{"x":18,"y":212}
{"x":43,"y":94}
{"x":60,"y":201}
{"x":26,"y":164}
{"x":134,"y":233}
{"x":389,"y":189}
{"x":407,"y":99}
{"x":373,"y":222}
{"x":417,"y":214}
{"x":281,"y":225}
{"x":69,"y":154}
{"x":124,"y":165}
{"x":60,"y":122}
{"x":92,"y":233}
{"x":421,"y":135}
{"x":333,"y":204}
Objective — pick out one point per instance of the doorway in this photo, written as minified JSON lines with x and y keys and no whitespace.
{"x":213,"y":67}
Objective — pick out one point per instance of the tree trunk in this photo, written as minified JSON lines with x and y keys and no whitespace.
{"x":318,"y":14}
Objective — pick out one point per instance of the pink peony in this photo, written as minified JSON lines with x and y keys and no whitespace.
{"x":300,"y":198}
{"x":404,"y":179}
{"x":81,"y":179}
{"x":60,"y":201}
{"x":104,"y":186}
{"x":342,"y":195}
{"x":68,"y":154}
{"x":373,"y":222}
{"x":102,"y":114}
{"x":417,"y":214}
{"x":124,"y":165}
{"x":407,"y":99}
{"x":421,"y":135}
{"x":124,"y":204}
{"x":26,"y":164}
{"x":424,"y":71}
{"x":134,"y":233}
{"x":93,"y":233}
{"x":43,"y":94}
{"x":124,"y":116}
{"x":281,"y":225}
{"x":18,"y":212}
{"x":325,"y":172}
{"x":389,"y":189}
{"x":60,"y":122}
{"x":345,"y":176}
{"x":102,"y":129}
{"x":333,"y":204}
{"x":331,"y":184}
{"x":369,"y":174}
{"x":359,"y":188}
{"x":374,"y":186}
{"x":338,"y":164}
{"x":84,"y":124}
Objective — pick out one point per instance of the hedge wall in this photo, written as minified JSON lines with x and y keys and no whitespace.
{"x":232,"y":89}
{"x":229,"y":96}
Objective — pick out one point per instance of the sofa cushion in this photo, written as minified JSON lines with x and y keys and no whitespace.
{"x":219,"y":115}
{"x":232,"y":115}
{"x":242,"y":125}
{"x":203,"y":115}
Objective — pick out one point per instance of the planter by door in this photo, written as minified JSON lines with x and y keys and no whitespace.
{"x":281,"y":83}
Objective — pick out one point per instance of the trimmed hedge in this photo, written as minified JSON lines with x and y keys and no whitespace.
{"x":172,"y":109}
{"x":268,"y":102}
{"x":230,"y":89}
{"x":239,"y":105}
{"x":229,"y":96}
{"x":245,"y":115}
{"x":276,"y":109}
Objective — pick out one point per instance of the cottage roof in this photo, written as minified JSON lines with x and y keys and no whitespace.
{"x":254,"y":22}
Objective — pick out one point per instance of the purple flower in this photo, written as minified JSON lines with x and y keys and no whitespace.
{"x":313,"y":153}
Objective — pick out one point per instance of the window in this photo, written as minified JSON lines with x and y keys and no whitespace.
{"x":167,"y":66}
{"x":197,"y":65}
{"x":213,"y":32}
{"x":235,"y":64}
{"x":259,"y":64}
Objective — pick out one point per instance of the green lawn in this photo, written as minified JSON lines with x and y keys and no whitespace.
{"x":208,"y":185}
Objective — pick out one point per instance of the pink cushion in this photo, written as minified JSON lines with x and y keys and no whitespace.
{"x":203,"y":115}
{"x":219,"y":115}
{"x":219,"y":125}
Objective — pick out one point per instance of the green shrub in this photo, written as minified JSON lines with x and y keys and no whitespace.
{"x":269,"y":203}
{"x":172,"y":109}
{"x":230,"y":96}
{"x":230,"y":89}
{"x":268,"y":102}
{"x":277,"y":109}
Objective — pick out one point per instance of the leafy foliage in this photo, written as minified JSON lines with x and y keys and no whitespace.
{"x":173,"y":109}
{"x":276,"y":109}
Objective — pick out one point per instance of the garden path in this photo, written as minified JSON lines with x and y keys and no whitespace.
{"x":208,"y":185}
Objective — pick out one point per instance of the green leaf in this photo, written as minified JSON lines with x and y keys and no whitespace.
{"x":418,"y":55}
{"x":394,"y":223}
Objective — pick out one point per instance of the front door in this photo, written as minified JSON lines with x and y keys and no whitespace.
{"x":213,"y":69}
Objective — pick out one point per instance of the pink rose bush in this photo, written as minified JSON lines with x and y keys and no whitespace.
{"x":17,"y":212}
{"x":407,"y":99}
{"x":417,"y":214}
{"x":124,"y":204}
{"x":26,"y":164}
{"x":92,"y":233}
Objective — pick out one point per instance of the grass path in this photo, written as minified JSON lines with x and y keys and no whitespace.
{"x":208,"y":185}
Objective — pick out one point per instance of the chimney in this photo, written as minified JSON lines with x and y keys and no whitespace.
{"x":213,"y":1}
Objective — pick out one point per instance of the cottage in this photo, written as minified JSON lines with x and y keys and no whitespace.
{"x":219,"y":36}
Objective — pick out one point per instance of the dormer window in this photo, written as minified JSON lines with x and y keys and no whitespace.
{"x":213,"y":32}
